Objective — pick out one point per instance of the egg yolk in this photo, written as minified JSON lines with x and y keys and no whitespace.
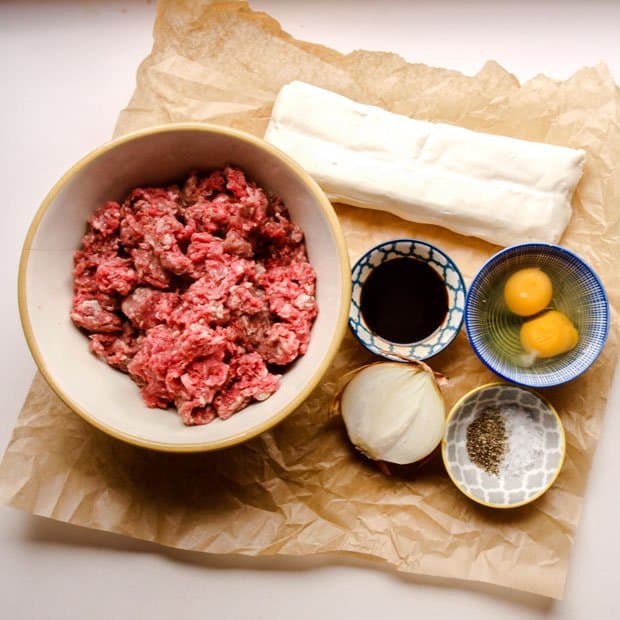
{"x":528,"y":291}
{"x":548,"y":335}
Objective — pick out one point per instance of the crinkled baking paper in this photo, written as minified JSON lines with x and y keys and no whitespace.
{"x":299,"y":489}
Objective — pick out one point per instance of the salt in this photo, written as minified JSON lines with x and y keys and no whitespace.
{"x":525,"y":440}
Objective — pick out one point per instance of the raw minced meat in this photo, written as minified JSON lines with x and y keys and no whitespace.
{"x":202,"y":292}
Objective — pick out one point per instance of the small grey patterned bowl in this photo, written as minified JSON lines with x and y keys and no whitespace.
{"x":534,"y":445}
{"x":455,"y":287}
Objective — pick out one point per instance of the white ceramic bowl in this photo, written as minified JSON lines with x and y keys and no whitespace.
{"x":109,"y":399}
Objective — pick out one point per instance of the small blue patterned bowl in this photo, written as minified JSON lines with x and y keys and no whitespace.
{"x":494,"y":332}
{"x":455,"y":287}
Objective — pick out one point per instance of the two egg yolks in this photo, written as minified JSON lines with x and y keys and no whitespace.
{"x":528,"y":292}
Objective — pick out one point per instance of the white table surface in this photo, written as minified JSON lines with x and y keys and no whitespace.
{"x":67,"y":69}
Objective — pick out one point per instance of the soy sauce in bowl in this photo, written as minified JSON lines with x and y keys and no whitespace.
{"x":407,"y":300}
{"x":404,"y":300}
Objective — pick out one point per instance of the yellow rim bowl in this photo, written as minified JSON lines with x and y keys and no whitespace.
{"x":503,"y":490}
{"x":48,"y":238}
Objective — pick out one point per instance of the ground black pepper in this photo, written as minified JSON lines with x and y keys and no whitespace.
{"x":486,"y":440}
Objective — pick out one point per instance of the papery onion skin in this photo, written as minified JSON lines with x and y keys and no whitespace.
{"x":394,"y":412}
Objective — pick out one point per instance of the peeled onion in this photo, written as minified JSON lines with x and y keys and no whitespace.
{"x":394,"y":412}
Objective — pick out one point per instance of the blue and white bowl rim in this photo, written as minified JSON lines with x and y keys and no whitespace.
{"x":475,"y":285}
{"x":412,"y":241}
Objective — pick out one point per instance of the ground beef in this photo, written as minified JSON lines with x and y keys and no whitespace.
{"x":202,"y":292}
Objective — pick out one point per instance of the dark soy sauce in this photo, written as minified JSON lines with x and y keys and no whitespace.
{"x":404,"y":300}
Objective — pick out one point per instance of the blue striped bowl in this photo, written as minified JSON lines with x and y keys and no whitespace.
{"x":493,"y":331}
{"x":443,"y":265}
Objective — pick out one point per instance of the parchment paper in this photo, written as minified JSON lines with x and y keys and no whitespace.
{"x":300,"y":489}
